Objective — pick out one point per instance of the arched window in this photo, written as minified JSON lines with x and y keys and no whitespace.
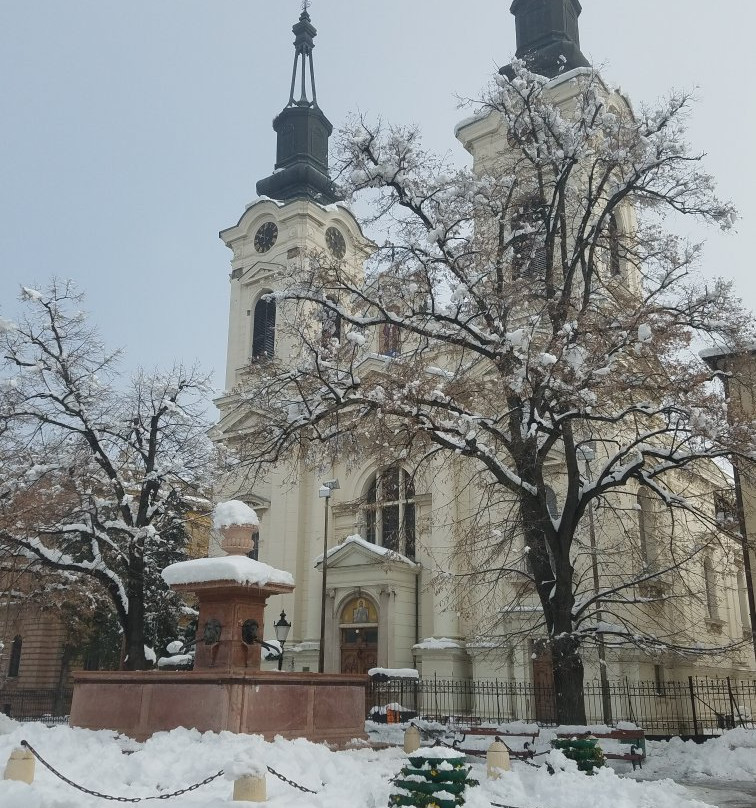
{"x":331,"y":324}
{"x":264,"y":328}
{"x":390,"y":511}
{"x":710,"y":584}
{"x":647,"y":528}
{"x":15,"y":656}
{"x":615,"y":266}
{"x":388,"y":340}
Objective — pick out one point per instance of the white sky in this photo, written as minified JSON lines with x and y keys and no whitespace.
{"x":132,"y":132}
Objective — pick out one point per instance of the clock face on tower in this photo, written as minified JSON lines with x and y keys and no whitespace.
{"x":335,"y":242}
{"x":266,"y":236}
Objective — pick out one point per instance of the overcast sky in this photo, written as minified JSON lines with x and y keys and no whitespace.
{"x":132,"y":132}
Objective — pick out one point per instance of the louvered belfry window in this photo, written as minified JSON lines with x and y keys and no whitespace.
{"x":529,"y":256}
{"x":264,"y":328}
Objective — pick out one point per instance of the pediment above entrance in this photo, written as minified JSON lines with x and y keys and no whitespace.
{"x":357,"y":552}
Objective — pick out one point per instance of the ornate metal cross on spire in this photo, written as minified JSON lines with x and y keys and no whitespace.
{"x":306,"y":6}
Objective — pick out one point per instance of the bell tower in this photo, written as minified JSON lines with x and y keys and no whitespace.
{"x":298,"y":215}
{"x":548,"y":37}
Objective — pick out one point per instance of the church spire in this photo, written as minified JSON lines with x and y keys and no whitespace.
{"x":301,"y":170}
{"x":305,"y":33}
{"x":548,"y":38}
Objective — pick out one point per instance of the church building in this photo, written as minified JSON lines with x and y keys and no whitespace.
{"x":379,"y":600}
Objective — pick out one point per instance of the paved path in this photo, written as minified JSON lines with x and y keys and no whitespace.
{"x":724,"y":793}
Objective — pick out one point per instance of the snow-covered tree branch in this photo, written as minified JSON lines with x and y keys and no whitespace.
{"x":99,"y":471}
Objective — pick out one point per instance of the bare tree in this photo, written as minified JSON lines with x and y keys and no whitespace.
{"x":99,"y":471}
{"x":545,"y":327}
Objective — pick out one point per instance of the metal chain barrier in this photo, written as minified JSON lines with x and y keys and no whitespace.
{"x":290,"y":782}
{"x":110,"y":796}
{"x":159,"y":796}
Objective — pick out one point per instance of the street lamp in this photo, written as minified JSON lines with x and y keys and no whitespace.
{"x":328,"y":487}
{"x":282,"y":627}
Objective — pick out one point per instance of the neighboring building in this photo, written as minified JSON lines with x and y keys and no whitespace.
{"x":381,"y":607}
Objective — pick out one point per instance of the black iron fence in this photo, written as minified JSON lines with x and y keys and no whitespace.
{"x":692,"y":707}
{"x":49,"y":706}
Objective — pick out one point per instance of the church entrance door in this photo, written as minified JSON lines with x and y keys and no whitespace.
{"x":359,"y":636}
{"x":544,"y":695}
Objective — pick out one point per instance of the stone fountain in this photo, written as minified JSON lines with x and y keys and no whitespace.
{"x":226,"y":690}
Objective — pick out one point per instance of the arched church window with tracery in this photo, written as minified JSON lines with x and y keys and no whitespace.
{"x":264,"y":328}
{"x":390,"y":511}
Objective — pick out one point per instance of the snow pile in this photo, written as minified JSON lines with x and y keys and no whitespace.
{"x":176,"y":661}
{"x":395,"y":673}
{"x":731,"y":757}
{"x":7,"y":725}
{"x":239,"y":569}
{"x":170,"y":761}
{"x":233,"y":512}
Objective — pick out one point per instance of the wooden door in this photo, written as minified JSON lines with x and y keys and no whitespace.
{"x":359,"y":649}
{"x":543,"y":683}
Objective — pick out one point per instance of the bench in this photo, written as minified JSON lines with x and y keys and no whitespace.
{"x":636,"y":738}
{"x":494,"y":733}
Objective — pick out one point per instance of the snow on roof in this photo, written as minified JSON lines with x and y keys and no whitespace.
{"x":233,"y":512}
{"x":387,"y":553}
{"x":471,"y":119}
{"x":437,"y":643}
{"x":712,"y":353}
{"x":240,"y":569}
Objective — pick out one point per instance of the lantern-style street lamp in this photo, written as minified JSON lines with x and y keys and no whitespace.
{"x":282,"y":626}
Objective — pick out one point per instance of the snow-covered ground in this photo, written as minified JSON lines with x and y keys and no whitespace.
{"x":354,"y":778}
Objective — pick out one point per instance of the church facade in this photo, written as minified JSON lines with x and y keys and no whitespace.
{"x":389,"y":531}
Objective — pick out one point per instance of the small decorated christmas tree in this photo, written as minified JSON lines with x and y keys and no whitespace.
{"x":435,"y":778}
{"x":584,"y":751}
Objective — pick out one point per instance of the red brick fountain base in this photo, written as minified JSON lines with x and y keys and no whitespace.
{"x":319,"y":707}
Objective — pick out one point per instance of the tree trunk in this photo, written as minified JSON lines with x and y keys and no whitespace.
{"x":568,"y":680}
{"x":134,"y":628}
{"x":553,"y":576}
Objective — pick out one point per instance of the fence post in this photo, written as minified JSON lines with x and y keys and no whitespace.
{"x":693,"y":705}
{"x":20,"y":766}
{"x":733,"y":704}
{"x":497,"y":760}
{"x":250,"y":788}
{"x":629,"y":700}
{"x":411,"y":739}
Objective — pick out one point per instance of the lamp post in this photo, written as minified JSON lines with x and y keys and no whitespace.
{"x":328,"y":487}
{"x":281,"y":626}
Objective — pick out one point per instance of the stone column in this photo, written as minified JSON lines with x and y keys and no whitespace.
{"x":385,"y":646}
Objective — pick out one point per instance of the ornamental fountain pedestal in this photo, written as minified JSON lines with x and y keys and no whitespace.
{"x":226,"y":690}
